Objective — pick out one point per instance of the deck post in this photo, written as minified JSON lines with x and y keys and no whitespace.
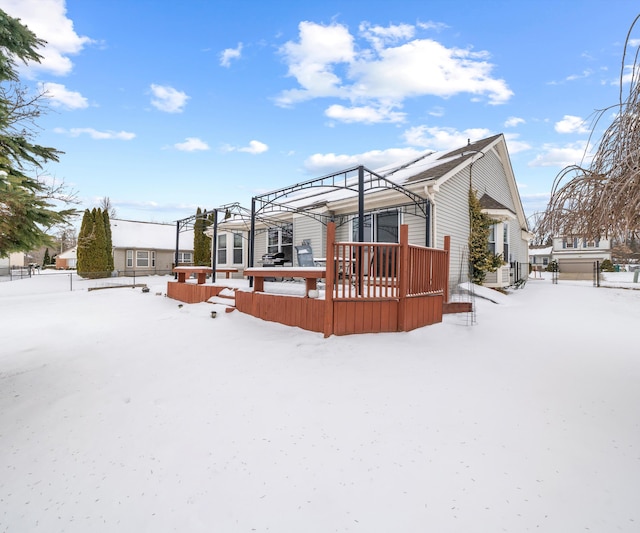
{"x":331,"y":265}
{"x":447,"y":249}
{"x":404,"y":277}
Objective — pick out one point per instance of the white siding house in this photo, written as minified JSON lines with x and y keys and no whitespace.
{"x":429,"y":194}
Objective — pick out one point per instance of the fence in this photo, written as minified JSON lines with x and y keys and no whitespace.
{"x":69,"y":280}
{"x":16,"y":272}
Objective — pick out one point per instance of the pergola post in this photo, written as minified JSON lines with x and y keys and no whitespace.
{"x":214,"y":246}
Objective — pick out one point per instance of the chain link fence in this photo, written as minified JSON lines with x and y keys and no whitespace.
{"x":70,"y":280}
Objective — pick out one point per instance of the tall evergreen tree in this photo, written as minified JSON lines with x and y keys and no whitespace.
{"x":85,"y":239}
{"x":199,"y":243}
{"x":99,"y":252}
{"x":47,"y":258}
{"x":94,"y":251}
{"x":108,"y":242}
{"x":481,"y":259}
{"x":26,"y":211}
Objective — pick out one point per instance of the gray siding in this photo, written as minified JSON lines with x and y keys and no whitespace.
{"x":452,"y":218}
{"x":417,"y":228}
{"x":308,"y":228}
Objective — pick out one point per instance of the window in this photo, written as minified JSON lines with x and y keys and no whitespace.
{"x":570,"y":242}
{"x":378,"y":227}
{"x":130,"y":258}
{"x":237,"y":249}
{"x":545,"y":261}
{"x":185,"y":257}
{"x":222,"y":249}
{"x":505,"y":242}
{"x":142,"y":258}
{"x":590,"y":244}
{"x":492,"y":238}
{"x":281,"y":240}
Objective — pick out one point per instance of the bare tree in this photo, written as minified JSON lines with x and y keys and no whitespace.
{"x":106,"y":205}
{"x":603,"y":198}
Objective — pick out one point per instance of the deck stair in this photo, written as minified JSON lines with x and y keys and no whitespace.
{"x":226,"y":297}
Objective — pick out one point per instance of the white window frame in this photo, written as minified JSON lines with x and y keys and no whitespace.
{"x":505,"y":242}
{"x":129,"y":259}
{"x":145,"y":262}
{"x":371,"y":225}
{"x":238,"y":248}
{"x":222,"y":249}
{"x":185,"y":257}
{"x":282,"y":235}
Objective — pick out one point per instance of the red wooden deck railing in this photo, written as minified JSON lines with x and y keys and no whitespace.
{"x":375,"y":287}
{"x":369,"y":288}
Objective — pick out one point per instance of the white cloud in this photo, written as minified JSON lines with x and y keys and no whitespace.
{"x":48,"y":20}
{"x":634,"y":42}
{"x":96,"y":134}
{"x":230,"y":53}
{"x":514,"y":144}
{"x":512,"y":122}
{"x":379,"y":36}
{"x":191,"y":144}
{"x":365,"y":114}
{"x":571,"y":124}
{"x":628,"y":75}
{"x":60,"y":96}
{"x":310,"y":61}
{"x":430,"y":25}
{"x":254,"y":147}
{"x":387,"y":66}
{"x":443,"y":138}
{"x":326,"y":163}
{"x":561,"y":156}
{"x":168,"y":99}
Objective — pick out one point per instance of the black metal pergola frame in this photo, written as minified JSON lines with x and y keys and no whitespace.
{"x":301,"y":198}
{"x":359,"y":180}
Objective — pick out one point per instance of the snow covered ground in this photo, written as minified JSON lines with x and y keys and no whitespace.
{"x":122,"y":411}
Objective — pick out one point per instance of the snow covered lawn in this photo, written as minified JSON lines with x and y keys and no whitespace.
{"x":121,"y":411}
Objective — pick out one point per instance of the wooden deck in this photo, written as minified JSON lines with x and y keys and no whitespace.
{"x":369,"y":288}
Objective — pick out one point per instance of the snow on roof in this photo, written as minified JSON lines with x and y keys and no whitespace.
{"x":541,"y":251}
{"x":71,"y":253}
{"x":149,"y":235}
{"x":429,"y":166}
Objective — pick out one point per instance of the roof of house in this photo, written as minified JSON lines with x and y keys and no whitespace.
{"x":71,"y":253}
{"x":487,"y":202}
{"x":540,"y":250}
{"x":148,"y":235}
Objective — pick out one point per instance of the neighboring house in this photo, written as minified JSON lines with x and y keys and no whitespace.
{"x":577,"y":255}
{"x":12,"y":260}
{"x":429,"y":194}
{"x":540,"y":257}
{"x":147,"y":248}
{"x":68,"y":259}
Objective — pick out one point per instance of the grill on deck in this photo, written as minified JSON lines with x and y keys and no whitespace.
{"x":273,"y":260}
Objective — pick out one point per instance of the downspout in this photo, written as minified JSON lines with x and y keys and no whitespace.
{"x":431,"y":190}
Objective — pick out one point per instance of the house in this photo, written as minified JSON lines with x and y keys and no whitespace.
{"x":429,"y":194}
{"x":148,"y":248}
{"x":577,"y":255}
{"x":68,"y":259}
{"x":540,"y":257}
{"x":16,"y":259}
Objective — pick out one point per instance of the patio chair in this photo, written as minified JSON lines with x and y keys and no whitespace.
{"x":305,"y":255}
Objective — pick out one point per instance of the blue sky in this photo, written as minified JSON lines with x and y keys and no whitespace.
{"x":165,"y":106}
